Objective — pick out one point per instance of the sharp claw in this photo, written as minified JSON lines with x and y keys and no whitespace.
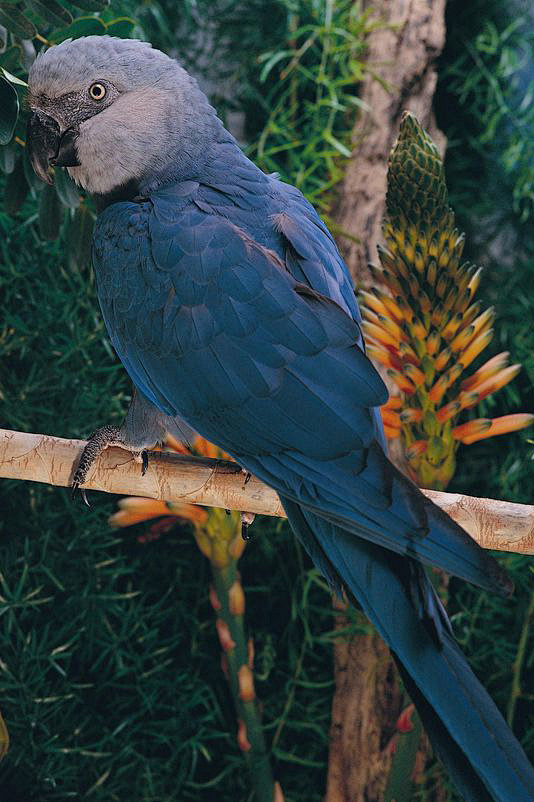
{"x":144,"y":457}
{"x":246,"y":519}
{"x":83,"y":493}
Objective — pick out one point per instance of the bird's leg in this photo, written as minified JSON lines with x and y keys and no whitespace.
{"x":143,"y":427}
{"x":104,"y":438}
{"x":246,"y":519}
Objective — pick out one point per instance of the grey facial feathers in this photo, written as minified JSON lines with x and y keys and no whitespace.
{"x":153,"y":125}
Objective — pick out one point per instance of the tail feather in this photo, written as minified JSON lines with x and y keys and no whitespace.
{"x":469,"y":734}
{"x":466,"y":779}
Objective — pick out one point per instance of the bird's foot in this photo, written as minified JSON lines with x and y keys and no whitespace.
{"x":247,"y":518}
{"x":247,"y":475}
{"x":103,"y":438}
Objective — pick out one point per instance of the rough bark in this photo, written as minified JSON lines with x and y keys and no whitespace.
{"x":402,"y":54}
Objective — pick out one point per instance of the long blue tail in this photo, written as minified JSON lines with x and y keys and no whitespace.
{"x":470,"y":736}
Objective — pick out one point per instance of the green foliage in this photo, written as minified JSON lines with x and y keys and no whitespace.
{"x":109,"y":676}
{"x":488,"y":77}
{"x":110,"y":673}
{"x":9,"y":103}
{"x":294,"y":74}
{"x":309,"y":85}
{"x":47,"y":23}
{"x":142,"y":724}
{"x":483,"y":106}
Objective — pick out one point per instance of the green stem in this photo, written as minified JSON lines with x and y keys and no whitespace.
{"x":518,"y":664}
{"x":257,"y":756}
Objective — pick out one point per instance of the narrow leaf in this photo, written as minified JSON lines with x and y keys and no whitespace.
{"x":50,"y":213}
{"x":9,"y":110}
{"x":122,"y":27}
{"x":79,"y":238}
{"x":12,"y":78}
{"x":12,"y":58}
{"x":50,"y":11}
{"x":16,"y":188}
{"x":31,"y":179}
{"x":66,"y":189}
{"x":82,"y":26}
{"x":339,"y":146}
{"x":90,"y":5}
{"x":272,"y":62}
{"x":15,"y":21}
{"x":7,"y":158}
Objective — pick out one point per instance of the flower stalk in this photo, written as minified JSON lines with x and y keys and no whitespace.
{"x":218,"y":536}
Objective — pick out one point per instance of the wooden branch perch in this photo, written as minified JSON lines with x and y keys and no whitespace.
{"x":494,"y":524}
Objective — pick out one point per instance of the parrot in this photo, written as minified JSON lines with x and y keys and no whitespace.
{"x":226,"y":298}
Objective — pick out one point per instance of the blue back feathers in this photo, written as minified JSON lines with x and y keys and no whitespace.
{"x":229,"y":304}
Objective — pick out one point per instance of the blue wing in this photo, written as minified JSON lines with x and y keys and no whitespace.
{"x":221,"y":330}
{"x":242,"y":320}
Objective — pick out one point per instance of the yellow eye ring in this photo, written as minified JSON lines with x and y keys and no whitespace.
{"x":97,"y":91}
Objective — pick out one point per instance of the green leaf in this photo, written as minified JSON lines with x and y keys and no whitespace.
{"x":16,"y":188}
{"x":9,"y":110}
{"x":122,"y":27}
{"x":12,"y":78}
{"x":273,"y":59}
{"x":50,"y":11}
{"x":82,"y":26}
{"x":15,"y":21}
{"x":339,"y":146}
{"x":12,"y":59}
{"x":31,"y":179}
{"x":66,"y":189}
{"x":7,"y":158}
{"x":50,"y":213}
{"x":80,"y":238}
{"x":90,"y":5}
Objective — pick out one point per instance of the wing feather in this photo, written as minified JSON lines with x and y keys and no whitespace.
{"x":264,"y":356}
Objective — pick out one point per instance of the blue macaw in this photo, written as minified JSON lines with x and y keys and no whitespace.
{"x":227,"y":300}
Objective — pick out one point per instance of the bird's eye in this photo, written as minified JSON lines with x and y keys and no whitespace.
{"x":97,"y":91}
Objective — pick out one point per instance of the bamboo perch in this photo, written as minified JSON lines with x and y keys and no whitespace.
{"x":500,"y":525}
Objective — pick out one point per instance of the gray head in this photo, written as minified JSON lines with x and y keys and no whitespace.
{"x":116,"y":112}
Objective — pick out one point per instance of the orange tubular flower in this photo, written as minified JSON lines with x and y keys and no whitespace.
{"x":502,"y":425}
{"x":427,"y":328}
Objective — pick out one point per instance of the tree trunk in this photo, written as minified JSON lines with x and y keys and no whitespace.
{"x":402,"y":54}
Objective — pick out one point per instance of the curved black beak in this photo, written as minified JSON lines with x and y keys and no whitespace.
{"x":48,"y":147}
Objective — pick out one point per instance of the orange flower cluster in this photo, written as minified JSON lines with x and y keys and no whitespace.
{"x":426,"y":328}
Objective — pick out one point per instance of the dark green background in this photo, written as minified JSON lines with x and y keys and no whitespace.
{"x":110,"y":681}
